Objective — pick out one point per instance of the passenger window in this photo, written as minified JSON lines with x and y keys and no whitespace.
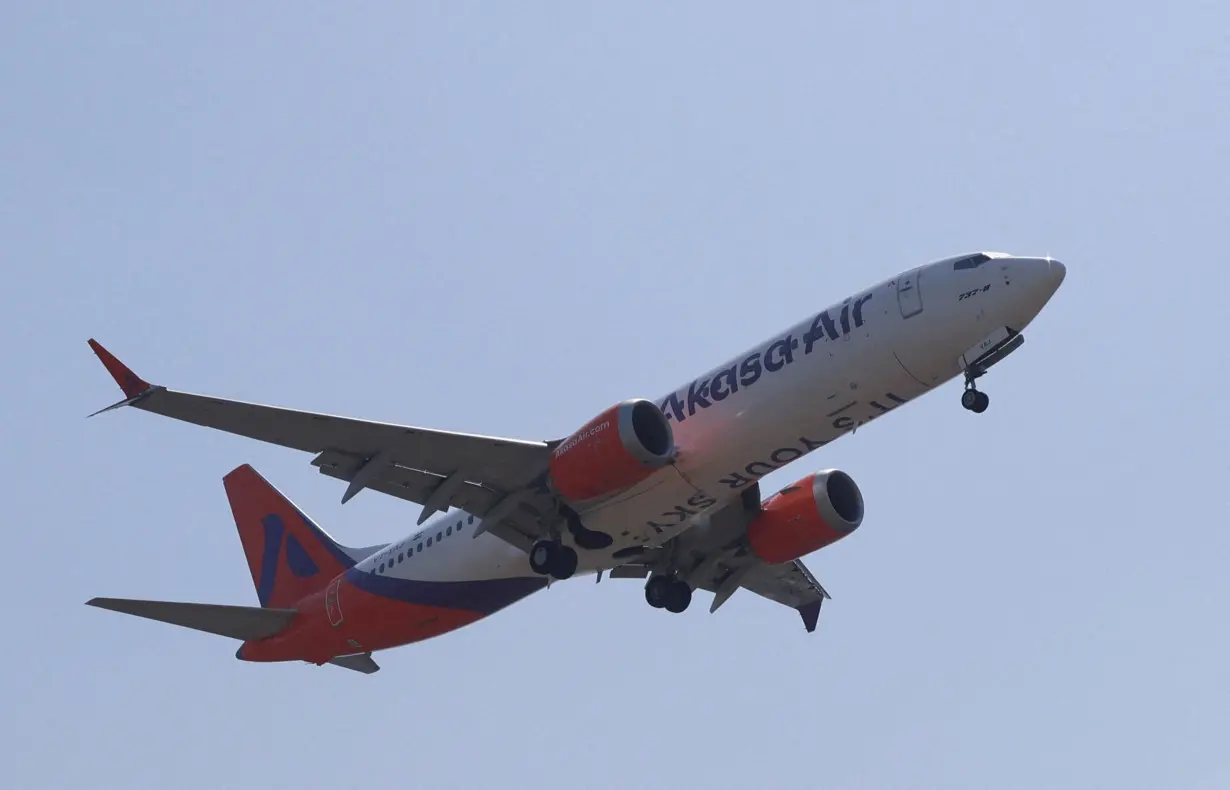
{"x":381,"y":568}
{"x":439,"y":536}
{"x":400,"y":557}
{"x":419,"y":547}
{"x":971,"y":262}
{"x":448,"y":531}
{"x":471,"y":521}
{"x":429,"y":541}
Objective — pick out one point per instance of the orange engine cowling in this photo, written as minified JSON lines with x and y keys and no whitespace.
{"x":818,"y":510}
{"x":614,"y":451}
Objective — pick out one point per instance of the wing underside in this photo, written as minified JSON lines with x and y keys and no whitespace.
{"x":496,"y":479}
{"x":713,"y":556}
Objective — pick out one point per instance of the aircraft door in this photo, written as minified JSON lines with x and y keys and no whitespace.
{"x":909,"y":294}
{"x":333,"y":607}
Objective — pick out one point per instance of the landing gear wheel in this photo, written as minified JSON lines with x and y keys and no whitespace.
{"x":666,"y":592}
{"x":658,"y":591}
{"x":565,"y":563}
{"x":679,"y":597}
{"x":552,"y":558}
{"x":975,"y":400}
{"x":541,"y":555}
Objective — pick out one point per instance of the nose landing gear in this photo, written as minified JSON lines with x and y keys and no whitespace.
{"x":974,"y":399}
{"x":976,"y":361}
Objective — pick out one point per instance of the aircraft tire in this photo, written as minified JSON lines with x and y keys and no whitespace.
{"x":564,"y":563}
{"x":658,"y":591}
{"x":678,"y":597}
{"x":542,"y":556}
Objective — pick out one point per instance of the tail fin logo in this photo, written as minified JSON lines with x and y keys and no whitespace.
{"x":301,"y":564}
{"x":288,"y":556}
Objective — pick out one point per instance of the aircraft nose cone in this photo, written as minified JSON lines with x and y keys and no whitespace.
{"x":1055,"y":272}
{"x":1042,"y":277}
{"x":1036,"y":281}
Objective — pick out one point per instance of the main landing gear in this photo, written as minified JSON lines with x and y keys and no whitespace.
{"x":554,"y":559}
{"x":667,"y":592}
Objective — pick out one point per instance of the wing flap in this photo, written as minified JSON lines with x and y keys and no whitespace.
{"x":521,"y":527}
{"x":237,"y":622}
{"x":414,"y":485}
{"x":790,"y":584}
{"x":629,"y":572}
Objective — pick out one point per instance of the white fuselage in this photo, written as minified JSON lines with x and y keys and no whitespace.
{"x":760,"y":410}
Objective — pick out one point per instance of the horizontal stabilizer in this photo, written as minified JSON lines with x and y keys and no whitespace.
{"x":237,"y":622}
{"x":359,"y":662}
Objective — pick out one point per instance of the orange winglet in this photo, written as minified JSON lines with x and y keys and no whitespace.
{"x":132,"y":384}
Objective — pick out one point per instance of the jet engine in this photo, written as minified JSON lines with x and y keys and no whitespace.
{"x":820,"y":509}
{"x":612,"y":452}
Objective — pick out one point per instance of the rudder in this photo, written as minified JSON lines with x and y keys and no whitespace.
{"x":290,"y":557}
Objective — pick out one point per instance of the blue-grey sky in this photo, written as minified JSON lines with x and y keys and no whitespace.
{"x":501,"y":218}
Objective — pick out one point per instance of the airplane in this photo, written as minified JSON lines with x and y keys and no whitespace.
{"x":665,"y":490}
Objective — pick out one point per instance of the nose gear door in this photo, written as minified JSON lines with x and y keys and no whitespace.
{"x":909,"y":296}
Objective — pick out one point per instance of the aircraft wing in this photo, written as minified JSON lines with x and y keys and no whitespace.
{"x":496,"y":479}
{"x":790,"y":583}
{"x":713,"y":556}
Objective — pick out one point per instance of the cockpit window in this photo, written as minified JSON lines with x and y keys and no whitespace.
{"x":971,"y":261}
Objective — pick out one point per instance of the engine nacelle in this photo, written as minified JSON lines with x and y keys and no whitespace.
{"x":614,"y":451}
{"x":820,"y":509}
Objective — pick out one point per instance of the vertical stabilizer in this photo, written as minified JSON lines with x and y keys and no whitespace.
{"x":290,"y":557}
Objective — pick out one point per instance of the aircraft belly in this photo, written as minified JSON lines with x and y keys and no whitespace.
{"x":627,"y":519}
